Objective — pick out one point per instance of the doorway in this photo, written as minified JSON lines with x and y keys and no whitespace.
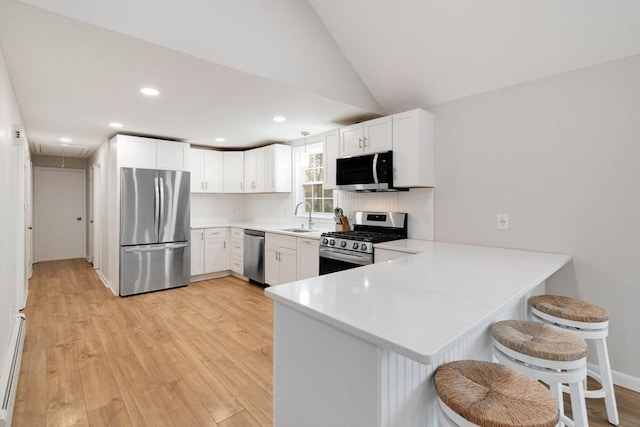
{"x":59,"y":213}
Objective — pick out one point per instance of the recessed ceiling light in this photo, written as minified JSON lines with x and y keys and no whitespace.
{"x":219,"y":139}
{"x":279,"y":119}
{"x":149,"y":91}
{"x":116,"y":125}
{"x":65,"y":139}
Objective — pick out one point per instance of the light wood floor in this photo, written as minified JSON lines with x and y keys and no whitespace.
{"x":195,"y":356}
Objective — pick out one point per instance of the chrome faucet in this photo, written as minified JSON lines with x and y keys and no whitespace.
{"x":310,"y":209}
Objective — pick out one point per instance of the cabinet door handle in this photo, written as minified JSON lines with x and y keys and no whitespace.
{"x":206,"y":185}
{"x":202,"y":185}
{"x":364,"y":142}
{"x":224,"y":245}
{"x":360,"y":142}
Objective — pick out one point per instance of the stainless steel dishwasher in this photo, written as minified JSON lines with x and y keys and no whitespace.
{"x":254,"y":255}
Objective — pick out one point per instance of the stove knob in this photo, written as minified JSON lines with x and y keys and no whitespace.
{"x":332,"y":242}
{"x":363,"y":247}
{"x":325,"y":241}
{"x":355,"y":246}
{"x":343,"y":244}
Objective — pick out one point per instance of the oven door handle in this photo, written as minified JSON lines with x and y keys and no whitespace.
{"x":341,"y":256}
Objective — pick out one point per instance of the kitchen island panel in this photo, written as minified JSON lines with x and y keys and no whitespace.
{"x":322,"y":376}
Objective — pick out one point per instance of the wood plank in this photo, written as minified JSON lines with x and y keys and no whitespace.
{"x":65,"y":401}
{"x":243,"y":419}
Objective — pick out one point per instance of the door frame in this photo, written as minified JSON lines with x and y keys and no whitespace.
{"x":94,"y":215}
{"x":83,"y":172}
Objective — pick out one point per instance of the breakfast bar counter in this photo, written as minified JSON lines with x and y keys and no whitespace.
{"x":358,"y":347}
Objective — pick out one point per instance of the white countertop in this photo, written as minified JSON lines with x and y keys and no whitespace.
{"x":410,"y":246}
{"x":270,"y":228}
{"x":420,"y":305}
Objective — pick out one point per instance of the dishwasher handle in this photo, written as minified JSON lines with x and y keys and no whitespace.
{"x":249,"y":232}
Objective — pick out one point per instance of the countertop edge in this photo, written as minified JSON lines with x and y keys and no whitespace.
{"x":411,"y":354}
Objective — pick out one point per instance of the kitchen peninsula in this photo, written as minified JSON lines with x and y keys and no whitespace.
{"x":358,"y":347}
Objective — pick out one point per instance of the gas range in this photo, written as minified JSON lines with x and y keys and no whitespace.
{"x":342,"y":250}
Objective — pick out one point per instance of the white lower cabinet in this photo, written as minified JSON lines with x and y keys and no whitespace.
{"x":280,"y":264}
{"x":197,"y":252}
{"x":237,"y":250}
{"x":209,"y":250}
{"x":308,"y":258}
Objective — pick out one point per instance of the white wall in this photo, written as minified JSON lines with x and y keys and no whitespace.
{"x":12,"y":224}
{"x":561,"y":156}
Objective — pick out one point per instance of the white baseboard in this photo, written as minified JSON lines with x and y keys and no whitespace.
{"x":209,"y":276}
{"x":105,"y":282}
{"x":620,"y":379}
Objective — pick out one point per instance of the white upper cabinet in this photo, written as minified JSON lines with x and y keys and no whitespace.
{"x":206,"y":171}
{"x":232,"y":171}
{"x":148,"y":153}
{"x":372,"y":136}
{"x":277,"y":159}
{"x":254,"y":170}
{"x":331,"y":149}
{"x":172,"y":156}
{"x":413,"y":149}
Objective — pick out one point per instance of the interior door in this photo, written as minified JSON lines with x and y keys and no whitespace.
{"x":60,"y":210}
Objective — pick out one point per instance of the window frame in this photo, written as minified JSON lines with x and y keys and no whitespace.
{"x":298,"y":180}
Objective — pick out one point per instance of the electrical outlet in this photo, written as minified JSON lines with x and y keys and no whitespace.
{"x":503,"y":221}
{"x":426,"y":219}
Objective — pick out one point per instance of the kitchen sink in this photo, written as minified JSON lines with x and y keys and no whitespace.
{"x":297,"y":230}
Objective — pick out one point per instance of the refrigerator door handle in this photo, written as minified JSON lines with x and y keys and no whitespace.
{"x":156,"y":248}
{"x":161,"y":210}
{"x":156,"y":206}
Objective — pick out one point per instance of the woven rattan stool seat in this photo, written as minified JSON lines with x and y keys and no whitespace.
{"x":489,"y":394}
{"x":569,"y":308}
{"x":539,"y":340}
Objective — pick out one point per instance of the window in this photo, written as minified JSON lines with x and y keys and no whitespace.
{"x":308,"y":175}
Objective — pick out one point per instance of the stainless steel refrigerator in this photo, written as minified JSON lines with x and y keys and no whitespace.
{"x":154,"y":230}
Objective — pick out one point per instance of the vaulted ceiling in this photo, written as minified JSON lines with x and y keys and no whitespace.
{"x":225,"y":68}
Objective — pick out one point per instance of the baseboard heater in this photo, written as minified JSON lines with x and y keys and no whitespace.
{"x":11,"y":371}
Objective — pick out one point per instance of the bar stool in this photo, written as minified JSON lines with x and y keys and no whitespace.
{"x":548,"y":354}
{"x":587,"y":321}
{"x":475,"y":393}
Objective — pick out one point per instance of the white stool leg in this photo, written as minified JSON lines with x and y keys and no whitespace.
{"x":556,"y":391}
{"x":578,"y":405}
{"x":607,"y":381}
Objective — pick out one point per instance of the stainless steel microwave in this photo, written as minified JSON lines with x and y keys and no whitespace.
{"x":367,"y":173}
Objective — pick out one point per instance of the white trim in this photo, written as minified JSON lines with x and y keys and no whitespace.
{"x":105,"y":282}
{"x":620,"y":379}
{"x":11,"y":370}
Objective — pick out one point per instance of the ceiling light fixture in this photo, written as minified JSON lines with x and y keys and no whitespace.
{"x":64,"y":139}
{"x":279,"y":119}
{"x":116,"y":125}
{"x":219,"y":139}
{"x":149,"y":91}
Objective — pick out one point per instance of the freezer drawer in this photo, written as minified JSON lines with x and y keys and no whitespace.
{"x":146,"y":268}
